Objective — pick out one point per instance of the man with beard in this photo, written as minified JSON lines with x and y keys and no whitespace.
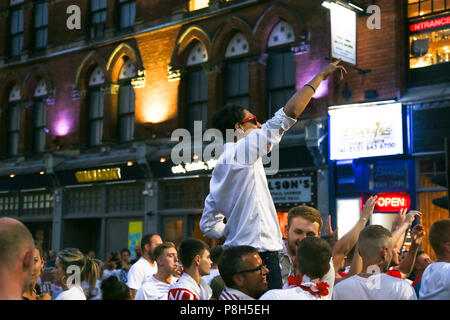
{"x":375,"y":247}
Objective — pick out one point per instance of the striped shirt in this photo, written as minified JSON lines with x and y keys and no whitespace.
{"x":233,"y":294}
{"x":187,"y":288}
{"x":153,"y":289}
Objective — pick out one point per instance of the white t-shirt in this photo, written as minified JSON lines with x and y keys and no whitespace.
{"x":435,"y":283}
{"x":74,"y":293}
{"x":108,"y":273}
{"x":377,"y":287}
{"x":187,"y":289}
{"x":292,"y":293}
{"x":153,"y":289}
{"x":208,"y":278}
{"x":139,"y":272}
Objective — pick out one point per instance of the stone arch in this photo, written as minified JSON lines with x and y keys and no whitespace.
{"x":272,"y":16}
{"x":7,"y":81}
{"x":186,"y":42}
{"x":226,"y":31}
{"x":89,"y":63}
{"x":33,"y":76}
{"x":116,"y":60}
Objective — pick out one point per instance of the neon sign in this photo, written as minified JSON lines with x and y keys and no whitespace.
{"x":98,"y":175}
{"x":392,"y":202}
{"x":435,"y":23}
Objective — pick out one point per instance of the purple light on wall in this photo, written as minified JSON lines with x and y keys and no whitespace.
{"x":306,"y":72}
{"x":62,"y":127}
{"x":322,"y":90}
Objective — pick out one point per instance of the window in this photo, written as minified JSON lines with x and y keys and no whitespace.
{"x":126,"y":102}
{"x":198,"y":4}
{"x":182,"y":194}
{"x":9,"y":204}
{"x":196,"y":98}
{"x":98,"y":18}
{"x":40,"y":25}
{"x":95,"y":108}
{"x":418,"y":8}
{"x":38,"y":203}
{"x":39,"y":123}
{"x":84,"y":201}
{"x":13,"y":117}
{"x":127,"y":13}
{"x":125,"y":199}
{"x":16,"y":32}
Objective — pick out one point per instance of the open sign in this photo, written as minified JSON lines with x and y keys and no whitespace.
{"x":392,"y":202}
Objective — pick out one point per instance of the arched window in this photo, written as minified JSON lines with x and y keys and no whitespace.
{"x":95,"y":107}
{"x":126,"y":101}
{"x":236,"y":71}
{"x":280,"y":67}
{"x":39,"y":116}
{"x":13,"y":118}
{"x":196,"y":88}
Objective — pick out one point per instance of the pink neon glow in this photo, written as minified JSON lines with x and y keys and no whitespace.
{"x":306,"y":73}
{"x":322,"y":90}
{"x":62,"y":127}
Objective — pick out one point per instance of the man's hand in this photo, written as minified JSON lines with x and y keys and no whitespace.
{"x":411,"y":216}
{"x":417,"y":234}
{"x":368,"y":208}
{"x":331,"y":68}
{"x":399,"y":219}
{"x":328,"y":230}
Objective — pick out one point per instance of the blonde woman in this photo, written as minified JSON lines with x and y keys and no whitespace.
{"x":73,"y":267}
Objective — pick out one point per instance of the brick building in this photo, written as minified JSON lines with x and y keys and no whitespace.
{"x":87,"y":114}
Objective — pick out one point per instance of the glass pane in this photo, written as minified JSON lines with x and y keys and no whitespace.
{"x":438,"y":5}
{"x":14,"y":118}
{"x":413,"y":10}
{"x":13,"y":144}
{"x":41,"y":38}
{"x":425,"y":7}
{"x":173,"y":231}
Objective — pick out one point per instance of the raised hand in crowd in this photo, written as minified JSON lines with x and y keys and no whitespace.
{"x":398,"y":234}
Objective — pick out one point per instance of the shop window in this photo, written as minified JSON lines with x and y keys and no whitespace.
{"x":127,"y":13}
{"x":98,"y":18}
{"x":38,"y":203}
{"x":84,"y":201}
{"x":40,"y":25}
{"x":196,"y":98}
{"x":418,"y":8}
{"x":125,"y":199}
{"x":173,"y":230}
{"x":429,"y":48}
{"x":16,"y":32}
{"x":96,"y":106}
{"x":9,"y":204}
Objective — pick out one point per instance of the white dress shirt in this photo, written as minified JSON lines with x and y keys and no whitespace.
{"x":239,"y":191}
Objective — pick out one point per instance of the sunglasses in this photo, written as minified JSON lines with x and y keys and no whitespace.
{"x":251,"y":119}
{"x":259,"y":268}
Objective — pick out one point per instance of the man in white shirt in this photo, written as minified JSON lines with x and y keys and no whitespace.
{"x":238,"y":188}
{"x":435,"y":283}
{"x":195,"y":258}
{"x":313,"y":263}
{"x":375,"y":247}
{"x":16,"y":258}
{"x":145,"y":267}
{"x":216,"y":252}
{"x":243,"y":272}
{"x":157,"y":286}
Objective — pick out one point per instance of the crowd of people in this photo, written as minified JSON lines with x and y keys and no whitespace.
{"x":254,"y":262}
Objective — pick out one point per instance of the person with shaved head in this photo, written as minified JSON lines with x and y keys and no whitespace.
{"x":16,"y":258}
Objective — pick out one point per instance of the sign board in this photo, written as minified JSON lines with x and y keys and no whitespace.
{"x":392,"y":202}
{"x":366,"y":131}
{"x":343,"y":33}
{"x":98,"y":175}
{"x":134,"y":236}
{"x":389,"y":175}
{"x":430,"y":24}
{"x":291,"y":191}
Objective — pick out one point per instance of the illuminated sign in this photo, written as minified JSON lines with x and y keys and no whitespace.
{"x":343,"y":33}
{"x":368,"y":130}
{"x":392,"y":202}
{"x":430,"y":24}
{"x":291,"y":190}
{"x":98,"y":175}
{"x":194,"y":166}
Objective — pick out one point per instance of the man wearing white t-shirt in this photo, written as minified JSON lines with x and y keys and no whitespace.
{"x":195,"y":258}
{"x":435,"y":283}
{"x":146,"y":266}
{"x":375,"y":247}
{"x":239,"y":190}
{"x":244,"y":274}
{"x":313,"y":263}
{"x":157,"y":286}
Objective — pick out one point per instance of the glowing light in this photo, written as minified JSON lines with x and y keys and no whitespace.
{"x":62,"y":127}
{"x":155,"y":112}
{"x":162,"y":160}
{"x":195,"y":157}
{"x":12,"y":175}
{"x":42,"y":173}
{"x":129,"y":163}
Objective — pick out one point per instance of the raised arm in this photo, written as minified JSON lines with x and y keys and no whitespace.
{"x":399,"y":234}
{"x":298,"y":102}
{"x":349,"y":240}
{"x":407,"y":265}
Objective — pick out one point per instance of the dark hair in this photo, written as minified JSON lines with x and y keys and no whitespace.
{"x":371,"y":239}
{"x":227,"y":117}
{"x":125,"y":250}
{"x":147,"y":239}
{"x":313,"y":257}
{"x":217,"y":285}
{"x":231,"y":262}
{"x":113,"y":289}
{"x":160,"y":249}
{"x":189,"y":248}
{"x":216,"y":252}
{"x":439,"y":235}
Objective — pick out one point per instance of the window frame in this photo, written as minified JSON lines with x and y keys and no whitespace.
{"x":95,"y":120}
{"x":188,"y":105}
{"x":12,"y":36}
{"x":37,"y":29}
{"x":419,"y":2}
{"x":93,"y":26}
{"x":12,"y":132}
{"x":236,"y":60}
{"x":39,"y":130}
{"x":124,"y":115}
{"x":120,"y":5}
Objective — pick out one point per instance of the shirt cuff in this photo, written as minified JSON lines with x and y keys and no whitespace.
{"x":286,"y":121}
